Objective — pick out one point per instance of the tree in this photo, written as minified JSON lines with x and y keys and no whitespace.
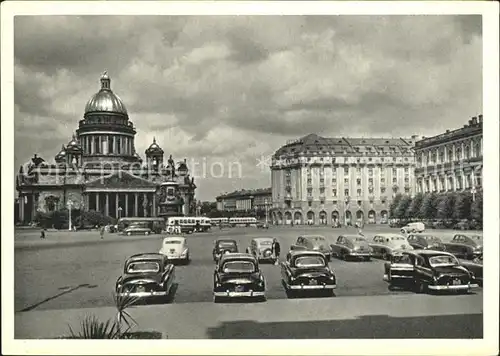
{"x":394,"y":205}
{"x":428,"y":207}
{"x":402,"y":207}
{"x":477,"y":207}
{"x":446,"y":206}
{"x":462,"y":208}
{"x":414,"y":208}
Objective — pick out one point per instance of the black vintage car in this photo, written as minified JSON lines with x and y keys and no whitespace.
{"x":223,"y":246}
{"x":424,"y":241}
{"x":476,"y":267}
{"x":238,"y":275}
{"x":307,"y":271}
{"x":146,"y":275}
{"x":428,"y":270}
{"x":466,"y":246}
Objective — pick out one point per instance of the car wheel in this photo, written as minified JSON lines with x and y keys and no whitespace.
{"x":146,"y":233}
{"x":129,"y":233}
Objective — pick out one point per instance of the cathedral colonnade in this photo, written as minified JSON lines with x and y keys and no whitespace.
{"x":122,"y":203}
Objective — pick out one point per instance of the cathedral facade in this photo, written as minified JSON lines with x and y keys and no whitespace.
{"x":99,"y":169}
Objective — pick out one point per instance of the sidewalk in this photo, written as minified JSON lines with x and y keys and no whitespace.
{"x":204,"y":320}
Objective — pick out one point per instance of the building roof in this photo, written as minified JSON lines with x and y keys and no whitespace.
{"x":105,"y":100}
{"x":245,"y":193}
{"x":315,"y":144}
{"x":473,"y":127}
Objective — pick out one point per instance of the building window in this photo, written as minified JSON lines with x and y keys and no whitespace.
{"x":346,"y":170}
{"x":358,"y":171}
{"x":334,"y":180}
{"x":346,"y":192}
{"x":394,"y":172}
{"x":478,"y":180}
{"x":370,"y":171}
{"x":382,"y":190}
{"x":467,"y":152}
{"x":309,"y":203}
{"x":382,"y":180}
{"x":309,"y":181}
{"x":477,"y":149}
{"x":441,"y":156}
{"x":450,"y":155}
{"x":370,"y":181}
{"x":407,"y":180}
{"x":406,"y":170}
{"x":359,"y":192}
{"x":334,"y":192}
{"x":407,"y":190}
{"x":394,"y":180}
{"x":322,"y":190}
{"x":358,"y":181}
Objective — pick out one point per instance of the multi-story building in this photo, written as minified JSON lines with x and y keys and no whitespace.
{"x":100,"y":169}
{"x":318,"y":180}
{"x":451,"y":161}
{"x":254,"y":200}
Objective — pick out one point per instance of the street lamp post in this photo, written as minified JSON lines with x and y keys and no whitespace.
{"x":70,"y":205}
{"x":119,"y":212}
{"x":266,"y":207}
{"x":473,"y":191}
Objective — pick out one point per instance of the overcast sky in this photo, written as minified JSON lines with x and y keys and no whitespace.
{"x":234,"y":89}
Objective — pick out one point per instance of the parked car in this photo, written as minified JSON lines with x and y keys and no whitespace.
{"x":175,"y":248}
{"x":423,"y":241}
{"x":352,"y":247}
{"x":383,"y":245}
{"x":313,"y":243}
{"x":466,"y":246}
{"x":223,"y":246}
{"x":262,"y":249}
{"x":428,"y":270}
{"x":476,"y":267}
{"x":137,"y":229}
{"x":413,"y":227}
{"x":464,"y":225}
{"x":261,"y":225}
{"x":238,"y":275}
{"x":146,"y":275}
{"x":307,"y":271}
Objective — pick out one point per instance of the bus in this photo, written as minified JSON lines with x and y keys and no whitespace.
{"x":217,"y":221}
{"x":187,"y":224}
{"x":157,"y":225}
{"x":249,"y":221}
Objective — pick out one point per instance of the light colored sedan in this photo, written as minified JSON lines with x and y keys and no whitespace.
{"x":262,"y":248}
{"x":383,"y":245}
{"x":175,"y":248}
{"x":352,"y":247}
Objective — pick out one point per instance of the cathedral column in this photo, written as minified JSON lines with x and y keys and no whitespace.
{"x":33,"y":207}
{"x":126,"y":205}
{"x":144,"y":205}
{"x":97,"y":201}
{"x":136,"y":201}
{"x":116,"y":205}
{"x":106,"y":207}
{"x":92,"y":145}
{"x":154,"y":205}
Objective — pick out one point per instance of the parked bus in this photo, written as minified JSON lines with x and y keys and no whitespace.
{"x":157,"y":225}
{"x":249,"y":221}
{"x":187,"y":224}
{"x":217,"y":221}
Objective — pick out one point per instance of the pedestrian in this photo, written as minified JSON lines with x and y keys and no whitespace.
{"x":102,"y":233}
{"x":276,"y":251}
{"x":42,"y":233}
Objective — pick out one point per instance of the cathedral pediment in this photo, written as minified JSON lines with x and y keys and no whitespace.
{"x":120,"y":180}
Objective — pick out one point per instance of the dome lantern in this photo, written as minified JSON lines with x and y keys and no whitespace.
{"x":105,"y":81}
{"x":105,"y":101}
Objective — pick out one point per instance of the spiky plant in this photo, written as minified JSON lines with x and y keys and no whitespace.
{"x":92,"y":328}
{"x":122,"y":303}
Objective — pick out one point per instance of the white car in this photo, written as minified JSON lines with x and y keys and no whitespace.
{"x":175,"y":248}
{"x":413,"y":227}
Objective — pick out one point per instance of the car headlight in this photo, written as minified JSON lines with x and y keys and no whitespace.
{"x":292,"y":278}
{"x":332,"y":277}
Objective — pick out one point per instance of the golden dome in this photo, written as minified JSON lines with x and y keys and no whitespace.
{"x":105,"y":100}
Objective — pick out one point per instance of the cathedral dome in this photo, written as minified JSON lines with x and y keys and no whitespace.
{"x":154,"y":148}
{"x":105,"y":100}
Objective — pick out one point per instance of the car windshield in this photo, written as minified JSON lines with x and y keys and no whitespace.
{"x":238,"y":267}
{"x":437,"y":261}
{"x":172,"y":242}
{"x":430,"y":238}
{"x":266,"y":243}
{"x":310,"y":261}
{"x":227,"y":243}
{"x":143,"y":266}
{"x":318,"y":238}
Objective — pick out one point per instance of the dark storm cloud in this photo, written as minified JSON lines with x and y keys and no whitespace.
{"x":238,"y":87}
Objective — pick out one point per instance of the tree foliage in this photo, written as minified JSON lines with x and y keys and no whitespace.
{"x":445,"y":206}
{"x":402,"y":207}
{"x":414,"y":208}
{"x":428,"y":207}
{"x":394,"y":204}
{"x":463,"y":204}
{"x":477,"y":207}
